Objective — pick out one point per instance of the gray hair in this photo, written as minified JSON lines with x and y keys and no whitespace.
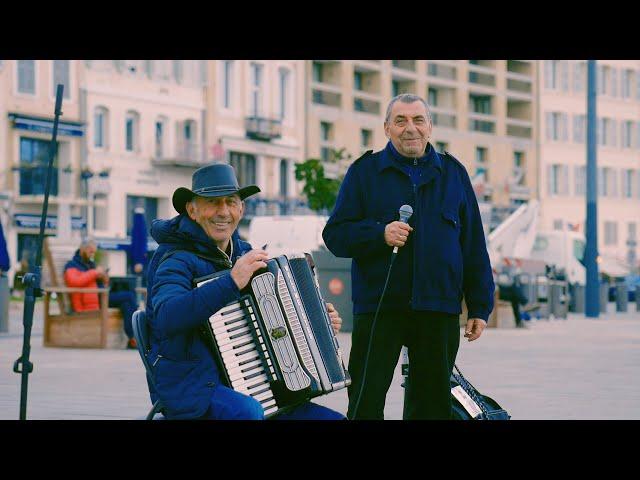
{"x":406,"y":98}
{"x":86,"y":241}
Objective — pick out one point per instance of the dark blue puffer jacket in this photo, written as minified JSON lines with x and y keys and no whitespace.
{"x":184,"y":368}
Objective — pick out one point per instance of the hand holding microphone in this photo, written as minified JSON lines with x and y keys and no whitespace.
{"x":396,"y":233}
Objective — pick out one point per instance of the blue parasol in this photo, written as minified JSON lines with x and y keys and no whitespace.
{"x":139,"y":238}
{"x":4,"y":255}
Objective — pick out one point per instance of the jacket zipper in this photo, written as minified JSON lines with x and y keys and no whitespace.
{"x":157,"y":359}
{"x":415,"y":202}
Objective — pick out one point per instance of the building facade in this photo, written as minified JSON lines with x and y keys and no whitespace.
{"x":27,"y":103}
{"x":483,"y":113}
{"x":563,"y":152}
{"x":255,"y":122}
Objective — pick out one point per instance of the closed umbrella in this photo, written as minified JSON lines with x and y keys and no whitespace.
{"x":139,"y":238}
{"x":4,"y":255}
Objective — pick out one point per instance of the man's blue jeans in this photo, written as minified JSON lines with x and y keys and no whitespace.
{"x":227,"y":404}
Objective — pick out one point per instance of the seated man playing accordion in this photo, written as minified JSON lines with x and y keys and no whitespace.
{"x":200,"y":241}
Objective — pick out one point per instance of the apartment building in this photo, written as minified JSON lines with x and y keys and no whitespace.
{"x":483,"y":113}
{"x":256,"y":122}
{"x":563,"y":132}
{"x":27,"y":102}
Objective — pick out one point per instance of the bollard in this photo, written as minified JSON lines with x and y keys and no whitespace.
{"x":561,"y":299}
{"x":542,"y":296}
{"x":578,"y":298}
{"x":622,"y":299}
{"x":4,"y":303}
{"x":604,"y":297}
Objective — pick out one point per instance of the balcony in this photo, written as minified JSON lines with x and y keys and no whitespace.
{"x":485,"y":79}
{"x":264,"y":129}
{"x":366,"y":106}
{"x":520,"y":86}
{"x":443,"y":117}
{"x":326,"y":98}
{"x":186,"y":154}
{"x":444,"y":72}
{"x":406,"y":65}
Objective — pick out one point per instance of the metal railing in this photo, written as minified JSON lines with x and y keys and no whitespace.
{"x":261,"y":128}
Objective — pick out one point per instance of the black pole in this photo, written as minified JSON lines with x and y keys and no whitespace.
{"x":31,"y":280}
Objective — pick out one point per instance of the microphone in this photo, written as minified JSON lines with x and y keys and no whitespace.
{"x":405,"y":213}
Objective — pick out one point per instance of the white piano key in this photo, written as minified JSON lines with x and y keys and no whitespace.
{"x":225,"y":338}
{"x":270,"y":410}
{"x":232,"y":344}
{"x":241,"y":369}
{"x":268,"y":395}
{"x":247,"y":385}
{"x":269,"y":403}
{"x":236,"y":358}
{"x":229,"y":328}
{"x":228,"y":318}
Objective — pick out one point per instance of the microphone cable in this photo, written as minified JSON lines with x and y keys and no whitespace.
{"x":373,"y":326}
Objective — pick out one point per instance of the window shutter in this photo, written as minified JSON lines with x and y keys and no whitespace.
{"x":565,"y":127}
{"x":564,"y":73}
{"x":548,"y":82}
{"x":614,"y":82}
{"x":613,"y":184}
{"x":565,"y":179}
{"x":550,"y":180}
{"x":549,"y":125}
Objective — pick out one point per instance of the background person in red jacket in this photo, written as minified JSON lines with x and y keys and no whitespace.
{"x":81,"y":271}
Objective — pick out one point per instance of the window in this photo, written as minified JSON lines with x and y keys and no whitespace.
{"x":27,"y":76}
{"x":284,"y":178}
{"x":627,"y":134}
{"x":227,"y":83}
{"x":177,"y":70}
{"x":284,"y":87}
{"x":357,"y":80}
{"x":607,"y":131}
{"x":318,"y":72}
{"x":100,"y":127}
{"x":187,"y":140}
{"x":61,"y":76}
{"x":395,"y":88}
{"x":580,"y":174}
{"x":432,"y":95}
{"x":245,"y":167}
{"x":607,"y":182}
{"x":556,"y":75}
{"x":558,"y":179}
{"x":558,"y":224}
{"x":150,"y":206}
{"x":579,"y":128}
{"x":131,"y":131}
{"x":326,"y":154}
{"x":159,"y":137}
{"x":627,"y":82}
{"x":34,"y":160}
{"x":365,"y":138}
{"x":480,"y":104}
{"x":557,"y":126}
{"x":100,"y":212}
{"x":579,"y":76}
{"x":610,"y":233}
{"x":162,"y":69}
{"x":442,"y":146}
{"x":326,"y":131}
{"x":256,"y":89}
{"x":518,"y":159}
{"x":482,"y":166}
{"x":631,"y":229}
{"x":628,"y":183}
{"x":358,"y":105}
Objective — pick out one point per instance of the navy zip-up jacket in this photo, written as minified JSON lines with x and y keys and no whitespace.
{"x":184,"y":369}
{"x":444,"y":258}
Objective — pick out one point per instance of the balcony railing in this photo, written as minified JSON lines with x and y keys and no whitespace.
{"x":261,"y":128}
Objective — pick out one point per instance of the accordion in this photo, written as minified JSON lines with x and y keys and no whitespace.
{"x":276,"y":343}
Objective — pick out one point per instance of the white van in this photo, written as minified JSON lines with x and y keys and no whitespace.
{"x":287,"y":233}
{"x":564,"y":249}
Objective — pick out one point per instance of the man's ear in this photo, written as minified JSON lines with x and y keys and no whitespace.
{"x":190,"y":208}
{"x":386,"y":130}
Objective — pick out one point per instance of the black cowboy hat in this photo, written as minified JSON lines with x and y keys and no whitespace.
{"x":216,"y":180}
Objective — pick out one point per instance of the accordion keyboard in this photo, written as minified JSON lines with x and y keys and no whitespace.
{"x":247,"y":361}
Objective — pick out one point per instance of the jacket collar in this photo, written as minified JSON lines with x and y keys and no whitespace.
{"x":388,"y":157}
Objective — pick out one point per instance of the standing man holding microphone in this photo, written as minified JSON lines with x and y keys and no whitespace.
{"x":421,"y":203}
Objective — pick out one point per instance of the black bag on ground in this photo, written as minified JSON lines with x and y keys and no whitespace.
{"x":469,"y":404}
